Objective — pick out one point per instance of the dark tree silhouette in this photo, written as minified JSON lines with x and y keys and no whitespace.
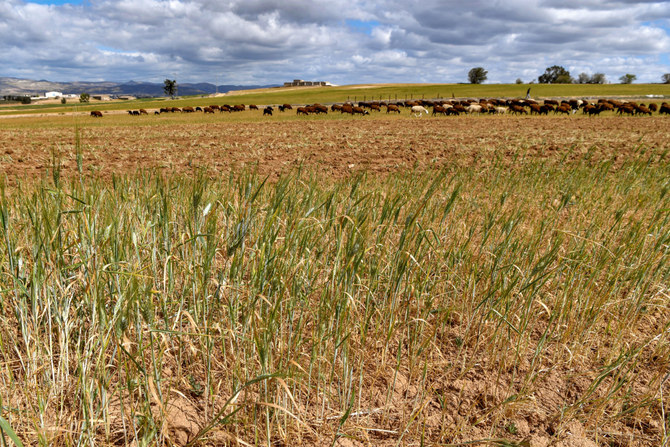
{"x":555,"y":75}
{"x":170,"y":88}
{"x":477,"y":75}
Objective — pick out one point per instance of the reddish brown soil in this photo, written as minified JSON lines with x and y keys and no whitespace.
{"x":333,"y":148}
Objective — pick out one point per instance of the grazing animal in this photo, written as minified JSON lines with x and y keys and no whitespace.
{"x":96,"y":114}
{"x":288,"y":107}
{"x":418,"y":110}
{"x":392,"y":108}
{"x":606,"y":106}
{"x":563,"y":108}
{"x":653,"y":107}
{"x":208,"y":110}
{"x":501,"y":110}
{"x":643,"y":110}
{"x":188,"y":109}
{"x":267,"y":111}
{"x":215,"y":107}
{"x":664,"y":110}
{"x":318,"y":108}
{"x":347,"y":108}
{"x":302,"y":111}
{"x":198,"y":109}
{"x":156,"y":112}
{"x":627,"y":109}
{"x":459,"y":108}
{"x":439,"y":109}
{"x":517,"y":110}
{"x":474,"y":108}
{"x":253,"y":107}
{"x":336,"y":108}
{"x":592,"y":110}
{"x":360,"y":111}
{"x":143,"y":112}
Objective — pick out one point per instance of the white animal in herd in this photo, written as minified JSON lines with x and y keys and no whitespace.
{"x":474,"y":108}
{"x":418,"y":110}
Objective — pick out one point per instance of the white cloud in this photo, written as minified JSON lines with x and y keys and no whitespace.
{"x":270,"y":41}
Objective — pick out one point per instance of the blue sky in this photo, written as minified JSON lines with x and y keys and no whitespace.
{"x":341,"y":41}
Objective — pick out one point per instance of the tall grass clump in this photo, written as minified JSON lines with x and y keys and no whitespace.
{"x":421,"y":307}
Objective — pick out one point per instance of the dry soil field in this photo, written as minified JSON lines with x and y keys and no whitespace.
{"x":334,"y":147}
{"x":489,"y":280}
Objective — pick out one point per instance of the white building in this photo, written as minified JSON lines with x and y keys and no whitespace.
{"x":53,"y":94}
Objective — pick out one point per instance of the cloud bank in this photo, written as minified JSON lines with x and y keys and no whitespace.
{"x":341,"y":41}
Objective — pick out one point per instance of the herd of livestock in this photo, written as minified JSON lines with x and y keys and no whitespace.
{"x":440,"y":107}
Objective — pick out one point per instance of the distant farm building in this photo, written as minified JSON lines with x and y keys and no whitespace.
{"x":301,"y":83}
{"x":53,"y":94}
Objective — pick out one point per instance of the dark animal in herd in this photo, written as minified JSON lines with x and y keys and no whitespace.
{"x":442,"y":107}
{"x":316,"y":109}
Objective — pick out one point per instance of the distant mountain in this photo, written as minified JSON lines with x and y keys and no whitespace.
{"x":17,"y":86}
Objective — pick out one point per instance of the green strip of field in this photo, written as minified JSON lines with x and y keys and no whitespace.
{"x":310,"y":95}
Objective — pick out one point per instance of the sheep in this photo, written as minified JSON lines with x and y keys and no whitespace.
{"x":474,"y":108}
{"x":418,"y":110}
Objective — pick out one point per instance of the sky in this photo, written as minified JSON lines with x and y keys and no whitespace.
{"x":252,"y":42}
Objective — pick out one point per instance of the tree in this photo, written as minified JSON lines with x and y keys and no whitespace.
{"x":63,"y":101}
{"x":519,"y":81}
{"x":666,"y":78}
{"x":555,"y":75}
{"x":84,"y":97}
{"x":583,"y":78}
{"x":598,"y":78}
{"x":627,"y":78}
{"x":477,"y":75}
{"x":170,"y":88}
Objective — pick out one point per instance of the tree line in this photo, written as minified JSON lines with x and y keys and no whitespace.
{"x":557,"y":74}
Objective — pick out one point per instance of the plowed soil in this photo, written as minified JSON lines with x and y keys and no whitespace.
{"x":333,"y":147}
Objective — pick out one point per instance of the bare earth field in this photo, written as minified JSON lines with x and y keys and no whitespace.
{"x":468,"y":376}
{"x":332,"y":147}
